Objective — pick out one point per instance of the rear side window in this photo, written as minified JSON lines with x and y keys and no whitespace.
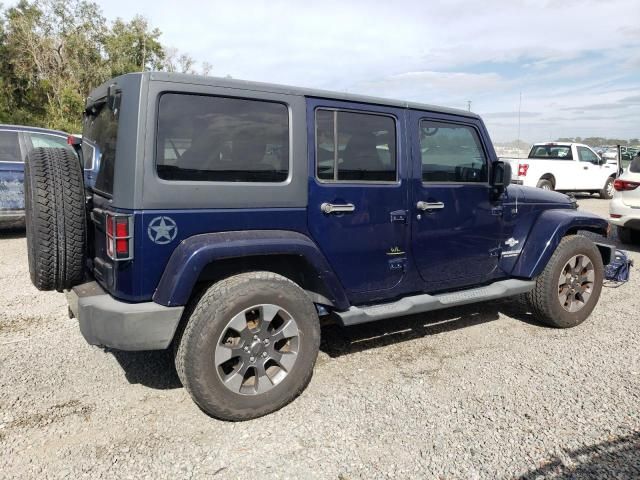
{"x":208,"y":138}
{"x":9,"y":149}
{"x":551,"y":152}
{"x":451,"y":153}
{"x":354,"y":146}
{"x":48,"y":141}
{"x":99,"y":137}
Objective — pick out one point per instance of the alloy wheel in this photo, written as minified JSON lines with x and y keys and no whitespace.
{"x":257,"y":349}
{"x":576,"y":283}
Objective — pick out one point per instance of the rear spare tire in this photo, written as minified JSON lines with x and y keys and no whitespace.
{"x":55,"y":218}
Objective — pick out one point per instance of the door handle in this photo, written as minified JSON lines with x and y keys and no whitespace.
{"x":585,"y":168}
{"x":424,"y":206}
{"x":333,"y":208}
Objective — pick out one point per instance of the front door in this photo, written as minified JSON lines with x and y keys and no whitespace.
{"x":357,"y":211}
{"x":457,"y":227}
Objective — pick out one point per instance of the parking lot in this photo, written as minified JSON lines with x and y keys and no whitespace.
{"x":475,"y":392}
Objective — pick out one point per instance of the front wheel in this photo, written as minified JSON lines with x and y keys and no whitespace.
{"x":607,"y":191}
{"x":568,"y":289}
{"x":249,"y":346}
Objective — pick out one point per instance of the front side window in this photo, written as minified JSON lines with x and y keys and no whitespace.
{"x":9,"y":149}
{"x":353,"y":146}
{"x":551,"y":152}
{"x":207,"y":138}
{"x":451,"y":153}
{"x":586,"y":155}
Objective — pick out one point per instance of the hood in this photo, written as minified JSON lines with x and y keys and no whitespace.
{"x":534,"y":195}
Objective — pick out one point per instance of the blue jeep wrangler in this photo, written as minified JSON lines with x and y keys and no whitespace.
{"x":227,"y":217}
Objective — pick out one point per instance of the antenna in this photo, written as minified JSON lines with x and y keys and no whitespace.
{"x":469,"y":105}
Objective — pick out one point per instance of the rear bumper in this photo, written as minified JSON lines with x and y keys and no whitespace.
{"x":629,"y":216}
{"x":123,"y":326}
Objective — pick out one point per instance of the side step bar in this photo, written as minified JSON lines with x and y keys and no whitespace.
{"x":426,"y":303}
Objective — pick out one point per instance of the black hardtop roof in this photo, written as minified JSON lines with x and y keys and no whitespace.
{"x":288,"y":90}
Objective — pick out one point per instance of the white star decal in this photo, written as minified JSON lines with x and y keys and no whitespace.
{"x":162,"y":230}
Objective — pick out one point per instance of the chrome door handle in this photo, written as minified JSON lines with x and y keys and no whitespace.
{"x":332,"y":208}
{"x":429,"y":205}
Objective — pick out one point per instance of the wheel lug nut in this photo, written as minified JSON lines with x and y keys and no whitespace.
{"x":252,"y":359}
{"x":255,"y":337}
{"x":264,"y":354}
{"x":266,"y":341}
{"x":246,"y":349}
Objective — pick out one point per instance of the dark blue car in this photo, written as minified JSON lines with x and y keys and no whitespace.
{"x":15,"y":144}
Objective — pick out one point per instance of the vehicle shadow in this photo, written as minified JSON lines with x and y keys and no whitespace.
{"x":12,"y":232}
{"x":154,"y":369}
{"x":338,"y":341}
{"x":618,"y":458}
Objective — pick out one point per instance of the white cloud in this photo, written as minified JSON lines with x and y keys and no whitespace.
{"x":561,"y":55}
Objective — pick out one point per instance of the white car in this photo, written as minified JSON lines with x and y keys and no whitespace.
{"x":624,"y":209}
{"x":565,"y":167}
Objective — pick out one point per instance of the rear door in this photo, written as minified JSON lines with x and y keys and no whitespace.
{"x":457,"y":227}
{"x":357,"y":211}
{"x":11,"y":176}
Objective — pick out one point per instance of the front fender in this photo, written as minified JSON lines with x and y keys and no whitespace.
{"x":196,"y":252}
{"x":546,"y":234}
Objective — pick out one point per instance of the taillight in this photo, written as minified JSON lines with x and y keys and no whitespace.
{"x":522,"y":169}
{"x":622,"y":185}
{"x":119,"y":230}
{"x":73,"y":140}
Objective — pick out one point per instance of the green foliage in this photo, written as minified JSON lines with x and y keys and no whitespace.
{"x":54,"y":52}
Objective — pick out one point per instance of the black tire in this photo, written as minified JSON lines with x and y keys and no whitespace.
{"x":628,"y":235}
{"x":55,"y":218}
{"x":544,"y":298}
{"x":545,"y":184}
{"x":205,"y":326}
{"x":624,"y":234}
{"x":606,"y":192}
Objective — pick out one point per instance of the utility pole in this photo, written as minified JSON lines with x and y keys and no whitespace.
{"x":469,"y":105}
{"x":519,"y":112}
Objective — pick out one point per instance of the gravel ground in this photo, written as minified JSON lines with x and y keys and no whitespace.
{"x":474,"y":392}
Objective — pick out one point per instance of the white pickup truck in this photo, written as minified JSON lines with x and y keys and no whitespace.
{"x":565,"y":167}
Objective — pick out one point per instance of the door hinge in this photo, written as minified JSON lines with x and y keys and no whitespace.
{"x":399,"y":216}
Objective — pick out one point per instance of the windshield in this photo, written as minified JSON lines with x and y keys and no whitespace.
{"x":99,"y":137}
{"x":551,"y":152}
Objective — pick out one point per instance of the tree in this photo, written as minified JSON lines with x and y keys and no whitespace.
{"x":133,"y":47}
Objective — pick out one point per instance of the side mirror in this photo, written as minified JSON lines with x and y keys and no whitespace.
{"x":500,"y":176}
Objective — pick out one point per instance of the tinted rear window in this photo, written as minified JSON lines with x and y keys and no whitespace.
{"x":208,"y":138}
{"x":99,"y":137}
{"x":551,"y":152}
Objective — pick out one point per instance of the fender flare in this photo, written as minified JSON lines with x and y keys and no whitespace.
{"x":546,"y":234}
{"x":196,"y":252}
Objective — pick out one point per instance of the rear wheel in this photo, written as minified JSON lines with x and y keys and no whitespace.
{"x":568,"y":289}
{"x":607,"y":190}
{"x":545,"y":184}
{"x":55,"y":218}
{"x":249,"y":346}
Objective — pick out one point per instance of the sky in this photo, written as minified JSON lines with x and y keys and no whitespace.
{"x":576,"y":63}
